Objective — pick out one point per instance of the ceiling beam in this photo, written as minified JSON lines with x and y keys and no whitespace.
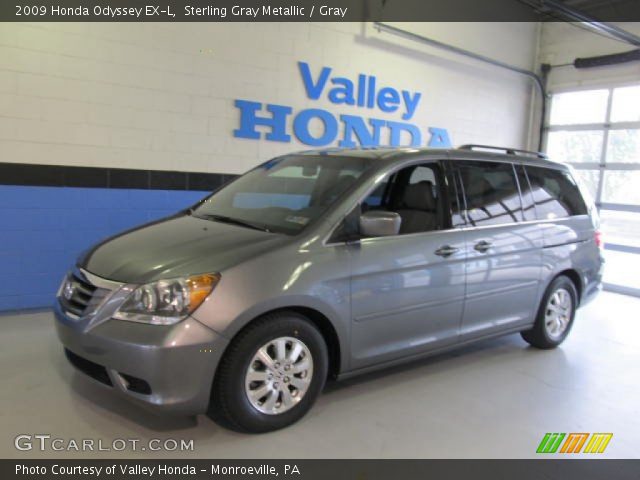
{"x":576,"y":15}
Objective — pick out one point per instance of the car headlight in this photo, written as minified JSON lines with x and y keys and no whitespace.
{"x":166,"y":302}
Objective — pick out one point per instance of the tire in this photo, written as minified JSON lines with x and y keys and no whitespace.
{"x":555,"y":315}
{"x":243,"y":376}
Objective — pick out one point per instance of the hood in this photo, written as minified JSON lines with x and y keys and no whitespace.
{"x":175,"y":247}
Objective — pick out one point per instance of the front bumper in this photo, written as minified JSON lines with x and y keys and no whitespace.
{"x":169,"y":369}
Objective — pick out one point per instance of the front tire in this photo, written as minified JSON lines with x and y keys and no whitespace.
{"x":555,"y":315}
{"x":270,"y":376}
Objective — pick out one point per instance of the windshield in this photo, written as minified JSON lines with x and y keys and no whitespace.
{"x":285,"y":194}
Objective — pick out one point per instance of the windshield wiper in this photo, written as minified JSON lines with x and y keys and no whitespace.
{"x":234,"y":221}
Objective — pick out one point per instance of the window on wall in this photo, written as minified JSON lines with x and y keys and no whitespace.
{"x":597,"y":131}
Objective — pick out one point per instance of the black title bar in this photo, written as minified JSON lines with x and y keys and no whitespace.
{"x":295,"y":10}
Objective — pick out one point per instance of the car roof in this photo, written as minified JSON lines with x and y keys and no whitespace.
{"x":395,"y":154}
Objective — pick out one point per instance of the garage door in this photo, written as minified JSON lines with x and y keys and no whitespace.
{"x":597,"y":131}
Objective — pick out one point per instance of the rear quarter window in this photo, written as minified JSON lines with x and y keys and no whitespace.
{"x":555,"y":193}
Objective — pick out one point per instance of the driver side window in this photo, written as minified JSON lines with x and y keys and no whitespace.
{"x":414,"y":194}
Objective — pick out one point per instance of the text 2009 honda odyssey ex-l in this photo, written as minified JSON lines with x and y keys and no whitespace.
{"x":327,"y":263}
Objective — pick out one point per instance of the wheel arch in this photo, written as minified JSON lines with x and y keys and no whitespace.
{"x":327,"y":330}
{"x":319,"y":319}
{"x":575,"y":278}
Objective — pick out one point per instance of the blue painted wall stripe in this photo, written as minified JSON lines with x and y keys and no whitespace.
{"x":44,"y":229}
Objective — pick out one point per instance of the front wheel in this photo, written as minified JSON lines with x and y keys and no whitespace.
{"x":271,"y":374}
{"x":555,"y":315}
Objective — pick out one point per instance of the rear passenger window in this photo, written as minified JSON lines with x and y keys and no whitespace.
{"x":555,"y":193}
{"x":491,"y":193}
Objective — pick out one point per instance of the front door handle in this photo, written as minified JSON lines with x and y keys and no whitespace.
{"x":482,"y":246}
{"x":446,"y":250}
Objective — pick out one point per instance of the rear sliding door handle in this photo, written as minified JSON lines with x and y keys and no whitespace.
{"x":482,"y":246}
{"x":446,"y":250}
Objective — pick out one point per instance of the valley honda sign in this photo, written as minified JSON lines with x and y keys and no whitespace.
{"x":362,"y":93}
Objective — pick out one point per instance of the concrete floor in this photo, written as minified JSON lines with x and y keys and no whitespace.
{"x":493,"y":400}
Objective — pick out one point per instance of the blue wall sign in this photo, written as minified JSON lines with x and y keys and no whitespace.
{"x":357,"y":131}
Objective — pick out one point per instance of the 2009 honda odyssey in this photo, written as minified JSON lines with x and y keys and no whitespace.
{"x":330,"y":263}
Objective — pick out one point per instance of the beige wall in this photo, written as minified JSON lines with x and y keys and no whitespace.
{"x":160,"y":96}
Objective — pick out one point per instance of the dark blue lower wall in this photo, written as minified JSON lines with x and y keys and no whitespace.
{"x":43,"y":229}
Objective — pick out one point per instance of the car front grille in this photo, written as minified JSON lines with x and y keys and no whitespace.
{"x":79,"y":297}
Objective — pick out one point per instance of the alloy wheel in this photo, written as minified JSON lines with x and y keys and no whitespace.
{"x":279,"y":375}
{"x":558,"y":313}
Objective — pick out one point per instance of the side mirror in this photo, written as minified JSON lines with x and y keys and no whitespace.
{"x":379,"y":223}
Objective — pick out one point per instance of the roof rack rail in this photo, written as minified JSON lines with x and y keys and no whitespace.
{"x":507,"y":150}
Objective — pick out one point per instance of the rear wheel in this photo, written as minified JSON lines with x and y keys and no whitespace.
{"x":271,"y":374}
{"x":555,"y":315}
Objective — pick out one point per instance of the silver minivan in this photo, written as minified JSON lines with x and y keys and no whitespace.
{"x":330,"y":263}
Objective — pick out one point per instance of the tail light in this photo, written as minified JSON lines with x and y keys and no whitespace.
{"x":598,"y":238}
